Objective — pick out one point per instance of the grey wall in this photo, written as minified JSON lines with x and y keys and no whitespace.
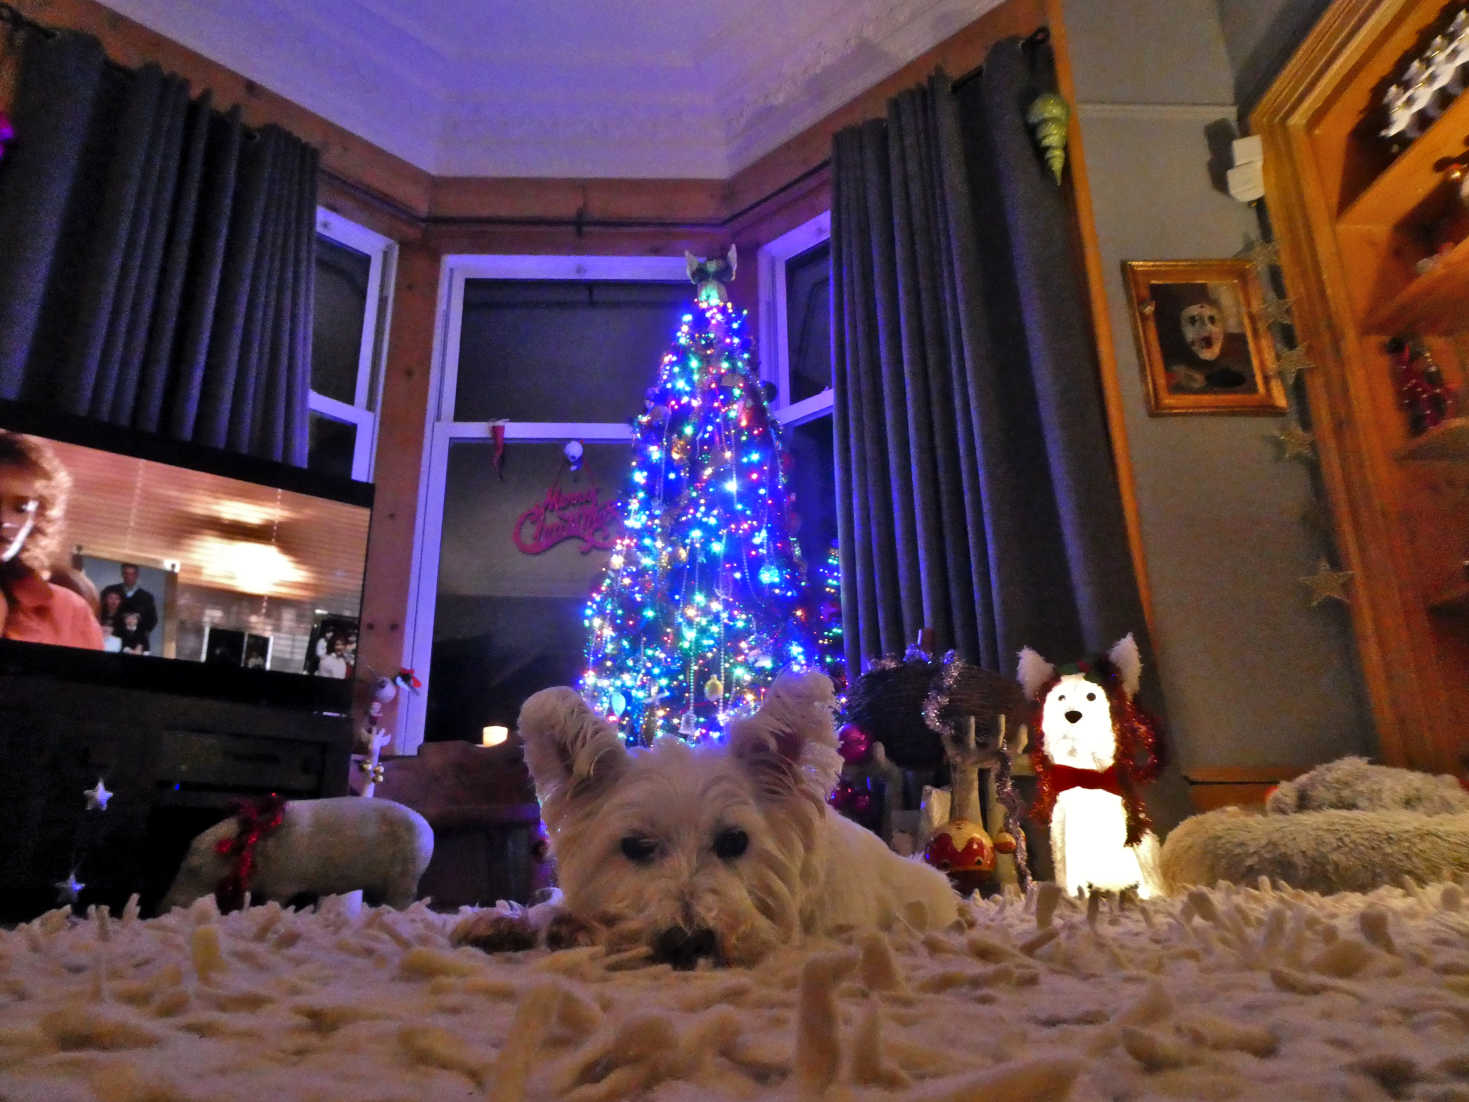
{"x":1251,"y":674}
{"x":1260,"y":36}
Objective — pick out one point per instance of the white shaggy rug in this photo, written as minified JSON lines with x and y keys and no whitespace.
{"x":1224,"y":993}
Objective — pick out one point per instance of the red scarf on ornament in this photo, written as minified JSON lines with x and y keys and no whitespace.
{"x":1068,"y":776}
{"x":257,"y":818}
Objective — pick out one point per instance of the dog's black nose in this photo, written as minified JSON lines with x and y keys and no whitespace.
{"x":1072,"y":716}
{"x":683,"y":948}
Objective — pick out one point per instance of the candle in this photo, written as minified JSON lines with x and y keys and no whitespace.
{"x":494,"y":735}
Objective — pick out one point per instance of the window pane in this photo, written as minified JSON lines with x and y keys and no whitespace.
{"x":808,"y":322}
{"x":331,"y":445}
{"x":508,"y":617}
{"x":813,"y":478}
{"x":341,"y":304}
{"x":562,"y":350}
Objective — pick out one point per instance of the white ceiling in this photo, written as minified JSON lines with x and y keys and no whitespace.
{"x":579,"y":88}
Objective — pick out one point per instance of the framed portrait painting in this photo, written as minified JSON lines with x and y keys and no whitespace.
{"x":1202,"y":343}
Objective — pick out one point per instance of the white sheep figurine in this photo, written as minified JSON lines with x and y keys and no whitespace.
{"x":321,"y":847}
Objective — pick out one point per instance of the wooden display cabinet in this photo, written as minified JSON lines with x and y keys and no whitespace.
{"x":1354,"y":217}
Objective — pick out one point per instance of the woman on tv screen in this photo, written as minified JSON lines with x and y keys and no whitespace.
{"x":33,"y":491}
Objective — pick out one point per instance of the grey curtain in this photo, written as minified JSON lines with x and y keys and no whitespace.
{"x":976,"y":491}
{"x":156,"y":257}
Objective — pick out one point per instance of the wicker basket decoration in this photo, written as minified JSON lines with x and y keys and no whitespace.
{"x":887,"y":703}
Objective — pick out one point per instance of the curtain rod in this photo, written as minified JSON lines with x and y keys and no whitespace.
{"x":1037,"y":38}
{"x":20,"y":21}
{"x":1033,"y":41}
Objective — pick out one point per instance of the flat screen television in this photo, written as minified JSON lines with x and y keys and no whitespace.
{"x":254,"y":569}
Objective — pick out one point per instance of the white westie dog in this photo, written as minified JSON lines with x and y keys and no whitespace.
{"x":720,"y":851}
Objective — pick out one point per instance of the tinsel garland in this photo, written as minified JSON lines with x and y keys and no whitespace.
{"x":1138,"y":756}
{"x":886,"y":702}
{"x":257,"y":818}
{"x":934,"y":706}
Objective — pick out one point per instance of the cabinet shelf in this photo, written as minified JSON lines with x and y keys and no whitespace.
{"x":1414,"y":173}
{"x":1435,"y":302}
{"x":1448,"y":440}
{"x":1352,"y":222}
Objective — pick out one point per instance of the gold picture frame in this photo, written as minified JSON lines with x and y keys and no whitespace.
{"x":1202,"y":343}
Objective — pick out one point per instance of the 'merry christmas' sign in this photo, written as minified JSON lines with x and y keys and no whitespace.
{"x":566,"y":516}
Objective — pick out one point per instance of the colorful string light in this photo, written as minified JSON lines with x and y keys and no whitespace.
{"x":705,"y":597}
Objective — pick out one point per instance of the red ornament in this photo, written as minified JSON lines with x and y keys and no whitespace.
{"x":257,"y":818}
{"x":841,"y":796}
{"x":854,"y":745}
{"x":497,"y":456}
{"x":962,"y":846}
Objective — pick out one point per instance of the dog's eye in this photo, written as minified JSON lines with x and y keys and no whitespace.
{"x":638,"y":849}
{"x":1091,"y":696}
{"x":729,"y":844}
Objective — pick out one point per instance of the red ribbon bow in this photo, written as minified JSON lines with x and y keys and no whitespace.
{"x":257,"y":818}
{"x":1068,"y":776}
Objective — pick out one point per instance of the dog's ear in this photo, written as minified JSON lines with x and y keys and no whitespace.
{"x":789,"y":746}
{"x":1033,"y":672}
{"x":570,"y":750}
{"x":1129,"y":662}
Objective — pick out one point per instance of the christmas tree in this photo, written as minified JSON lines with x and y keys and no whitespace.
{"x":704,"y":598}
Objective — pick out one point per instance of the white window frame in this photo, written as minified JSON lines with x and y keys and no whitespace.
{"x":441,"y":431}
{"x":361,"y":413}
{"x":775,"y":345}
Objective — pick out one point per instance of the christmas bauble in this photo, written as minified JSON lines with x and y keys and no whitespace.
{"x":841,"y":796}
{"x":961,"y":846}
{"x":854,"y":745}
{"x":714,"y":688}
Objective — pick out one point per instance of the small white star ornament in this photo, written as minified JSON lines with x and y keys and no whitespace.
{"x":67,"y":890}
{"x":97,"y":796}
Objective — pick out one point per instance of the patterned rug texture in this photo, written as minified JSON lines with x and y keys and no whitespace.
{"x":1226,"y":992}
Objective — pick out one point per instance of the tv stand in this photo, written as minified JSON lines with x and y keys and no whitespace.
{"x":174,"y":763}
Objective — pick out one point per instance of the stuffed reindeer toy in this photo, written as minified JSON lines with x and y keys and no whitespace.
{"x":1093,"y":749}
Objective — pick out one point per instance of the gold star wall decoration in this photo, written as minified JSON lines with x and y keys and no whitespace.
{"x":1275,"y":311}
{"x":1291,"y":363}
{"x":1296,"y":443}
{"x":1265,"y":254}
{"x":1328,"y":584}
